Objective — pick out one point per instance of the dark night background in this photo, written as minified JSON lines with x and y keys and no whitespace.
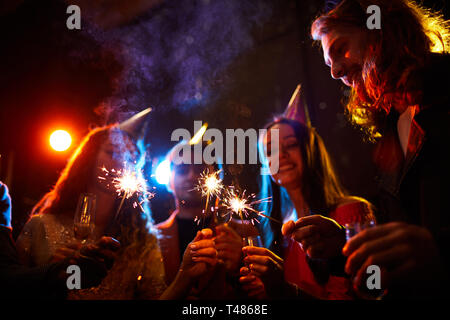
{"x":231,"y":63}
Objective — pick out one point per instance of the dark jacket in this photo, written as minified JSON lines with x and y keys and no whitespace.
{"x":415,"y":188}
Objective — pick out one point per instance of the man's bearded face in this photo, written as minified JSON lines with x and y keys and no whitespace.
{"x":343,"y":51}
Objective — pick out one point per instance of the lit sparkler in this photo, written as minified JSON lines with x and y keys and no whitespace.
{"x":243,"y":205}
{"x":210,"y":185}
{"x":127,"y":183}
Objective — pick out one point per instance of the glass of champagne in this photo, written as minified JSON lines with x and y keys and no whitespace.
{"x":84,"y":219}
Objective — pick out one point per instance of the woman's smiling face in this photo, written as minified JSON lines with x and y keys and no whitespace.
{"x":288,"y":156}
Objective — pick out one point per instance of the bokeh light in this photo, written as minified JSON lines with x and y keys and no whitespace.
{"x":162,"y":173}
{"x":60,"y":140}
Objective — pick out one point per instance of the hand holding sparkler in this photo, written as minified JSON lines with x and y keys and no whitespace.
{"x":229,"y":247}
{"x":199,"y":257}
{"x":263,"y":264}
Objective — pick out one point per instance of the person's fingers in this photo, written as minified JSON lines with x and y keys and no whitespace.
{"x":197,"y":237}
{"x":368,"y":234}
{"x":247,"y":279}
{"x":360,"y":281}
{"x":288,"y":228}
{"x":262,"y":260}
{"x":210,"y":261}
{"x":106,"y":254}
{"x":250,"y":250}
{"x":376,"y":246}
{"x":67,"y":252}
{"x":200,"y":244}
{"x":258,"y":270}
{"x":392,"y":257}
{"x":244,"y":271}
{"x":205,"y":252}
{"x":305,"y":232}
{"x":203,"y":234}
{"x":387,"y":260}
{"x":97,"y":252}
{"x":74,"y":245}
{"x":108,"y":243}
{"x":316,"y":220}
{"x":206,"y":233}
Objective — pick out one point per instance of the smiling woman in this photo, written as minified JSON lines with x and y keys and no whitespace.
{"x":306,"y":186}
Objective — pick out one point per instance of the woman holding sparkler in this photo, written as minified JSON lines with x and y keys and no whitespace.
{"x":49,"y":234}
{"x":304,"y":186}
{"x":108,"y":164}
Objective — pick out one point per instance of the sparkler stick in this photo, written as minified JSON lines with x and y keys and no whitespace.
{"x":210,"y":185}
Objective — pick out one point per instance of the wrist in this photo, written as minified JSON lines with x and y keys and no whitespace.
{"x":183,"y":279}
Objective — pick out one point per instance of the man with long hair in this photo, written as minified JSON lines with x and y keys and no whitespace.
{"x":399,"y":82}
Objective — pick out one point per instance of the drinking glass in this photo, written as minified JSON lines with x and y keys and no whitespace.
{"x":252,"y":241}
{"x":84,"y":219}
{"x":352,"y":229}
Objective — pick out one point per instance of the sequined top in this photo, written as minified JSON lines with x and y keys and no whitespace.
{"x":137,"y":273}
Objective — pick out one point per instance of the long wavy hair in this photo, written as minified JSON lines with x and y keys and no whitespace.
{"x":320,"y":186}
{"x":133,"y":225}
{"x":408,"y":37}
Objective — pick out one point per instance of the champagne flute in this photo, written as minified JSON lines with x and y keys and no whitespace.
{"x":84,"y":219}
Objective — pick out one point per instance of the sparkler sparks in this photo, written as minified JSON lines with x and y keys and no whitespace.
{"x":209,"y":184}
{"x":127,"y":183}
{"x":243,"y":205}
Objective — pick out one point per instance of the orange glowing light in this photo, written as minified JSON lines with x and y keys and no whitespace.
{"x":60,"y":140}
